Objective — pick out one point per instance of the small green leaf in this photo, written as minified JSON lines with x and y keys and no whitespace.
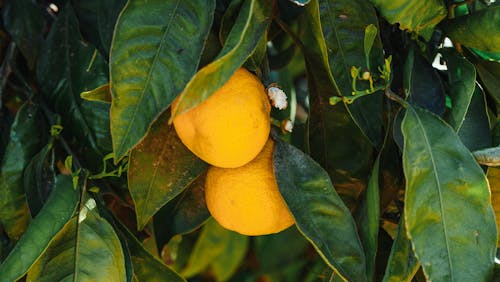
{"x":477,"y":30}
{"x":320,"y":214}
{"x":212,"y":242}
{"x":370,"y":36}
{"x":86,"y":249}
{"x":100,"y":94}
{"x":53,"y":216}
{"x":156,"y":49}
{"x":402,"y":264}
{"x":160,"y":168}
{"x":462,"y":81}
{"x":445,"y":186}
{"x":419,"y":16}
{"x":24,"y":142}
{"x":247,"y":31}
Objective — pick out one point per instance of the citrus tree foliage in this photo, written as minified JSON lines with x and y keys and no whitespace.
{"x":389,"y":171}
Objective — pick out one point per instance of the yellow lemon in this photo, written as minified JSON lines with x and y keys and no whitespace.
{"x":246,"y":199}
{"x":230,"y":127}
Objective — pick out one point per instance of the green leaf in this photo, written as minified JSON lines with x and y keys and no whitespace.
{"x":212,"y":242}
{"x":70,"y":66}
{"x":419,"y":16}
{"x":155,"y":51}
{"x":489,"y":72}
{"x":97,"y":19}
{"x":343,"y":25}
{"x":475,"y":131}
{"x":25,"y":21}
{"x":160,"y":168}
{"x":24,"y":143}
{"x":99,"y":94}
{"x":86,"y":249}
{"x":478,"y":30}
{"x":445,"y":186}
{"x":38,"y":180}
{"x":462,"y":81}
{"x":54,"y":215}
{"x":348,"y":159}
{"x":146,"y":266}
{"x":183,"y":214}
{"x":371,"y":32}
{"x":402,"y":264}
{"x":368,"y":217}
{"x":320,"y":215}
{"x":227,"y":262}
{"x":246,"y":33}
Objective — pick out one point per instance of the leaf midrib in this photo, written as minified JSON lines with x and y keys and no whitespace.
{"x":148,"y":77}
{"x":438,"y":184}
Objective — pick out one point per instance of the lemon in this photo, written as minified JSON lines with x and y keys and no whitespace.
{"x":231,"y":126}
{"x":247,"y":199}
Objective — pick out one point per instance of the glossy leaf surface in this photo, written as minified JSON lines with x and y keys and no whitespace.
{"x":247,"y":31}
{"x":319,"y":213}
{"x":24,"y":142}
{"x":160,"y":168}
{"x":447,"y":202}
{"x":54,"y":215}
{"x":478,"y":30}
{"x":38,"y":180}
{"x":156,"y":50}
{"x":414,"y":15}
{"x":475,"y":131}
{"x":489,"y":72}
{"x":86,"y":249}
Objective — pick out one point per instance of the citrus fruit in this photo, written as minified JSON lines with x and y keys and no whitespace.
{"x":246,"y":199}
{"x":231,"y":126}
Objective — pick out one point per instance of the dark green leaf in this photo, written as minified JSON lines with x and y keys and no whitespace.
{"x":489,"y":72}
{"x":319,"y":213}
{"x":246,"y":33}
{"x":402,"y":264}
{"x":38,"y":180}
{"x":156,"y":49}
{"x":335,"y":140}
{"x":24,"y":143}
{"x":25,"y":21}
{"x":160,"y":168}
{"x":54,"y":215}
{"x":447,"y":202}
{"x":368,"y":216}
{"x":419,"y":16}
{"x":478,"y":30}
{"x":146,"y":266}
{"x":97,"y":19}
{"x":475,"y":131}
{"x":422,"y":83}
{"x":69,"y":66}
{"x":183,"y":214}
{"x":462,"y":80}
{"x":86,"y":249}
{"x":214,"y":240}
{"x":343,"y":25}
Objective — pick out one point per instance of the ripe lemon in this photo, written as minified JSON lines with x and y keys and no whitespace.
{"x":230,"y":127}
{"x":246,"y":199}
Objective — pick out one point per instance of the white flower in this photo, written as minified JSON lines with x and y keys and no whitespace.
{"x":277,"y":97}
